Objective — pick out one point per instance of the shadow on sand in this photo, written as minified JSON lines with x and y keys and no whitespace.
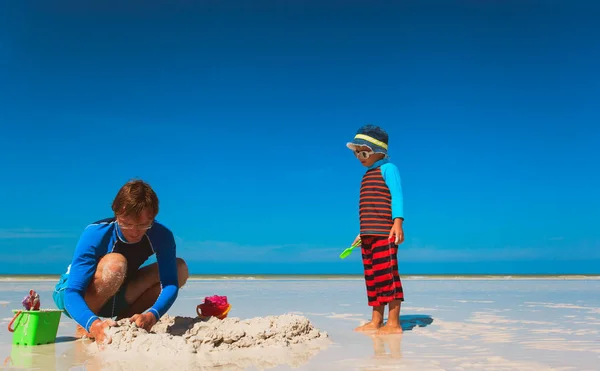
{"x":410,"y":321}
{"x":65,"y":339}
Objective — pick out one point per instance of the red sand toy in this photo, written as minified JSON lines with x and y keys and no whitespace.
{"x":214,"y":306}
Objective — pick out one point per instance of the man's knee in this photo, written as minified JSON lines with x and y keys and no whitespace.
{"x":182,"y":272}
{"x":111,"y":272}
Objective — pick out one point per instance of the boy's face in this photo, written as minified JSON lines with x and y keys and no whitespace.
{"x":366,"y":156}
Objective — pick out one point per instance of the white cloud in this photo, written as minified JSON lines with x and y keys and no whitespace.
{"x":235,"y":252}
{"x":22,"y":233}
{"x":509,"y":253}
{"x":47,"y":254}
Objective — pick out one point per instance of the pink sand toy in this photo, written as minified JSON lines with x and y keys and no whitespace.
{"x":214,"y":306}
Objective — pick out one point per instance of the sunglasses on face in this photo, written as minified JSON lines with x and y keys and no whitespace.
{"x":140,"y":227}
{"x":363,"y":155}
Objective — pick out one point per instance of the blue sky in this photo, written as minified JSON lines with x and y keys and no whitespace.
{"x":238,"y":116}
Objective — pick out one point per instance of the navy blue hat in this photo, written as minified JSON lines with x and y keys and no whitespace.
{"x":371,"y":136}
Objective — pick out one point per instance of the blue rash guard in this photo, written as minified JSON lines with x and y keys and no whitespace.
{"x":392,"y":179}
{"x":104,"y":237}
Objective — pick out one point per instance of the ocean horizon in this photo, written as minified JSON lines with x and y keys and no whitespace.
{"x":50,"y":277}
{"x":352,"y":266}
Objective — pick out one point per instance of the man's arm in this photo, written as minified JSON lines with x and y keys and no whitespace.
{"x":392,"y":179}
{"x":81,"y":272}
{"x":167,"y":268}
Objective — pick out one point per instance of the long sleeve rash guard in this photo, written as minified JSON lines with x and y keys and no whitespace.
{"x":101,"y":238}
{"x":391,"y":176}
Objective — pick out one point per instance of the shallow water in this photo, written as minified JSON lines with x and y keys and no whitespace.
{"x":449,"y":324}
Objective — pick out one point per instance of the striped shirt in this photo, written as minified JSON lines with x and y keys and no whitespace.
{"x":381,"y":199}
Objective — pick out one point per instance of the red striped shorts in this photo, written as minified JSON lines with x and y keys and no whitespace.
{"x":380,"y":260}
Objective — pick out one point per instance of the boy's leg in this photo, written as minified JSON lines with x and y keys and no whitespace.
{"x":391,"y":291}
{"x":376,"y":320}
{"x":392,"y":326}
{"x":377,"y":316}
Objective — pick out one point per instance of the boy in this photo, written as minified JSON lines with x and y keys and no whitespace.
{"x":381,"y":217}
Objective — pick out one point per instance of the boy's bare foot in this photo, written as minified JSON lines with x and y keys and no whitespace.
{"x":370,"y":326}
{"x":81,"y":333}
{"x":389,"y":329}
{"x":378,"y":346}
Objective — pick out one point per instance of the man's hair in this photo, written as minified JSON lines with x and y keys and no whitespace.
{"x":133,"y":197}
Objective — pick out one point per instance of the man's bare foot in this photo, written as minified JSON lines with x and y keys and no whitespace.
{"x":389,"y":329}
{"x":371,"y":326}
{"x":81,"y":333}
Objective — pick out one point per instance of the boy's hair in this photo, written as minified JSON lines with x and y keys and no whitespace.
{"x":133,"y":197}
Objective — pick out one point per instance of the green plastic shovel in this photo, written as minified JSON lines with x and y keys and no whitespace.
{"x":348,"y":250}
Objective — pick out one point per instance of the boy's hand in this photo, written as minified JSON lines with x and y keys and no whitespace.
{"x":356,"y":240}
{"x":397,"y":231}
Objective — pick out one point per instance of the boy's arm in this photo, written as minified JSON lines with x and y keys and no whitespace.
{"x":81,"y":271}
{"x":392,"y":179}
{"x":167,"y":268}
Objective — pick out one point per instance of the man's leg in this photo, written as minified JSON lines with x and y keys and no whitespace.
{"x":109,"y":276}
{"x":143,"y":290}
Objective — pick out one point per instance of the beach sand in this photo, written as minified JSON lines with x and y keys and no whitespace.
{"x":489,"y":324}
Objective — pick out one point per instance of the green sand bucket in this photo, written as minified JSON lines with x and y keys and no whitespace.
{"x":36,"y":327}
{"x":348,"y":250}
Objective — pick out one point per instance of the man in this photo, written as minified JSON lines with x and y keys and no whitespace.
{"x":104,"y":278}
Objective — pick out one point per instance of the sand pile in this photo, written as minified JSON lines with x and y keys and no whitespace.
{"x":260,"y":341}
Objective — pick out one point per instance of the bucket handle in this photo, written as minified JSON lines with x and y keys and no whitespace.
{"x":8,"y":361}
{"x":12,"y":321}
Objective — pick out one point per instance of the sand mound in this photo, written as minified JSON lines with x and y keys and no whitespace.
{"x":260,"y":341}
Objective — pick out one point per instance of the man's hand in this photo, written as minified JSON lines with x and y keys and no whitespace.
{"x":144,"y":320}
{"x":397,"y":231}
{"x":97,"y":330}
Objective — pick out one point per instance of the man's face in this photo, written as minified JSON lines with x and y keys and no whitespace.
{"x":366,"y":156}
{"x":134,"y":227}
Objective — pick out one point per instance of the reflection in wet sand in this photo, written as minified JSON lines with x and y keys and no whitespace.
{"x":41,"y":357}
{"x":260,"y":358}
{"x":387,"y":352}
{"x":387,"y":349}
{"x":393,"y":343}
